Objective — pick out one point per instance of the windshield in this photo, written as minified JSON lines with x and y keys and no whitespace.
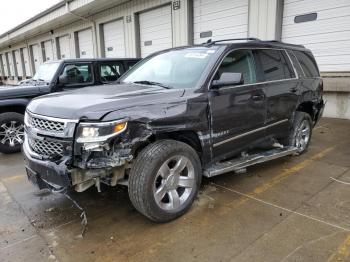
{"x":173,"y":69}
{"x":46,"y":72}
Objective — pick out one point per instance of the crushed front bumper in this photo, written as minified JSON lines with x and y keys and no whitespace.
{"x":43,"y":173}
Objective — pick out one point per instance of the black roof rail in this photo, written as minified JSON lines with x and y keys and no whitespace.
{"x":210,"y":42}
{"x":283,"y":43}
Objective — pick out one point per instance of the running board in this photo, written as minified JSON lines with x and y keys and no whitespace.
{"x":239,"y":164}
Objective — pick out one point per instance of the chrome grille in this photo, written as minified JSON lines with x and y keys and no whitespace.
{"x":46,"y":148}
{"x":46,"y":125}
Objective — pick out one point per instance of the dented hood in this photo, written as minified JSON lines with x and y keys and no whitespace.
{"x":95,"y":102}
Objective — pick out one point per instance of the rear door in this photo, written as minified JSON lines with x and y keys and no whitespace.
{"x":110,"y":71}
{"x":280,"y":86}
{"x":238,"y":112}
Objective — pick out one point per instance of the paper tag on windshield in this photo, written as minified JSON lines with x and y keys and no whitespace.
{"x":196,"y":55}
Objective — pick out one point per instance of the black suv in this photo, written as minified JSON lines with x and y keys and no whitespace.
{"x":175,"y":116}
{"x":52,"y":77}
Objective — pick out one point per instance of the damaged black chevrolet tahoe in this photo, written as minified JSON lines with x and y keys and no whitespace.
{"x":176,"y":116}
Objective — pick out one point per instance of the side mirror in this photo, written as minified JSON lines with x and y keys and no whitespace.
{"x":228,"y":79}
{"x":62,"y":80}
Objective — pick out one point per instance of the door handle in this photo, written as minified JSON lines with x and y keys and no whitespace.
{"x":258,"y":97}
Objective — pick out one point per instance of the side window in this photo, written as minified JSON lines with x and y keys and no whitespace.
{"x":130,"y":64}
{"x":307,"y":63}
{"x":272,"y":64}
{"x":77,"y":74}
{"x":111,"y":72}
{"x":295,"y":63}
{"x":287,"y":66}
{"x":239,"y":61}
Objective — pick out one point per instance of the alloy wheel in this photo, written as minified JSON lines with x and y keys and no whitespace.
{"x":174,"y":183}
{"x":303,"y":135}
{"x":12,"y":133}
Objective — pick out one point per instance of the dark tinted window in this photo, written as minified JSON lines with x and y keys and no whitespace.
{"x":308,"y":64}
{"x":78,"y":74}
{"x":110,"y":72}
{"x":130,"y":64}
{"x":239,"y":61}
{"x":274,"y":65}
{"x":295,"y":63}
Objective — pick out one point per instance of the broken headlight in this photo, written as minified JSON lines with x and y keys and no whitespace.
{"x":100,"y":131}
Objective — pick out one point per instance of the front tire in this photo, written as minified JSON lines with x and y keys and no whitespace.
{"x":11,"y":132}
{"x":164,"y":180}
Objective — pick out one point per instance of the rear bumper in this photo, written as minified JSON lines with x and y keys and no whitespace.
{"x":319,"y":108}
{"x":45,"y":174}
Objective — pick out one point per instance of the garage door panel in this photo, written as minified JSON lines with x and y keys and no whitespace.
{"x":114,"y":39}
{"x":85,"y":44}
{"x":162,"y":31}
{"x":36,"y":56}
{"x":221,"y":23}
{"x":224,"y":15}
{"x":331,"y":47}
{"x":324,"y":26}
{"x":155,"y":30}
{"x":303,"y":7}
{"x":48,"y":50}
{"x":26,"y":61}
{"x":322,"y":16}
{"x":212,"y":12}
{"x":327,"y":36}
{"x":315,"y":38}
{"x":64,"y":45}
{"x":18,"y":63}
{"x":4,"y":63}
{"x":333,"y":59}
{"x":220,"y":18}
{"x":334,"y":68}
{"x":10,"y":62}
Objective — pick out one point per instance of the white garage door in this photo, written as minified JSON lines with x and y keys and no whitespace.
{"x":64,"y":47}
{"x":155,"y":30}
{"x":36,"y":56}
{"x":322,"y":26}
{"x":10,"y":60}
{"x":219,"y":19}
{"x":26,"y":61}
{"x":4,"y":64}
{"x":18,"y":63}
{"x":48,"y":48}
{"x":114,"y":41}
{"x":85,"y":44}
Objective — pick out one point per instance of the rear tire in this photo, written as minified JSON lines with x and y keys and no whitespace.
{"x":301,"y":132}
{"x":11,"y":132}
{"x":164,"y":180}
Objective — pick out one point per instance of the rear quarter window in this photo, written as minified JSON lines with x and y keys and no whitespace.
{"x":307,"y":63}
{"x":274,"y":65}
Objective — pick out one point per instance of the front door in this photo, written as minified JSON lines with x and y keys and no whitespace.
{"x":239,"y":111}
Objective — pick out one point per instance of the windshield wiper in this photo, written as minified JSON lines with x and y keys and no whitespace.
{"x":146,"y":82}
